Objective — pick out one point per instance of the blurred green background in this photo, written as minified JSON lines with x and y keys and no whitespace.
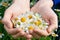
{"x":4,"y":4}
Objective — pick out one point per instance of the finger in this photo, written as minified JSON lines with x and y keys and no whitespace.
{"x":53,"y":24}
{"x":6,"y":20}
{"x":41,"y":32}
{"x":51,"y":28}
{"x":12,"y":31}
{"x":34,"y":34}
{"x":20,"y":34}
{"x":28,"y":36}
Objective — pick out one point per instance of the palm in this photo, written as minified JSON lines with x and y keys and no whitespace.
{"x":13,"y":11}
{"x":16,"y":10}
{"x":48,"y":15}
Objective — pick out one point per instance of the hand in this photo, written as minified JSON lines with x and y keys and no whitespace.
{"x":17,"y":8}
{"x":48,"y":15}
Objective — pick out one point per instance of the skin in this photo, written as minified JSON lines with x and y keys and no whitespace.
{"x":44,"y":8}
{"x":19,"y":7}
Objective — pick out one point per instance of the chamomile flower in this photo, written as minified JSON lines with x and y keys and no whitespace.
{"x":1,"y":35}
{"x":29,"y":21}
{"x":54,"y":35}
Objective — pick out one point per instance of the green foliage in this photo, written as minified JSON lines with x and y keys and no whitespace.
{"x":4,"y":4}
{"x":58,"y":13}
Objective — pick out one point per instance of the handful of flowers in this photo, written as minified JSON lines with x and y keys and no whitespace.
{"x":29,"y":21}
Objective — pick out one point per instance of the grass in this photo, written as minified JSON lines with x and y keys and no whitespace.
{"x":9,"y":37}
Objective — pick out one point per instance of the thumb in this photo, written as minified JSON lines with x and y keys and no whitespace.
{"x":53,"y":25}
{"x":8,"y":23}
{"x":50,"y":28}
{"x":6,"y":19}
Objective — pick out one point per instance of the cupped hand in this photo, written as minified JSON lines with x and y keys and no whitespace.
{"x":48,"y":15}
{"x":14,"y":10}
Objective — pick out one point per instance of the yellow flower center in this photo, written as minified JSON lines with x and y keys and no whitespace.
{"x":30,"y":16}
{"x":23,"y":19}
{"x":38,"y":22}
{"x":31,"y":28}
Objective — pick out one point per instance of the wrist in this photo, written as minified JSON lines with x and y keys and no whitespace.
{"x":40,"y":9}
{"x":20,"y":1}
{"x":22,"y":4}
{"x":17,"y":0}
{"x":42,"y":3}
